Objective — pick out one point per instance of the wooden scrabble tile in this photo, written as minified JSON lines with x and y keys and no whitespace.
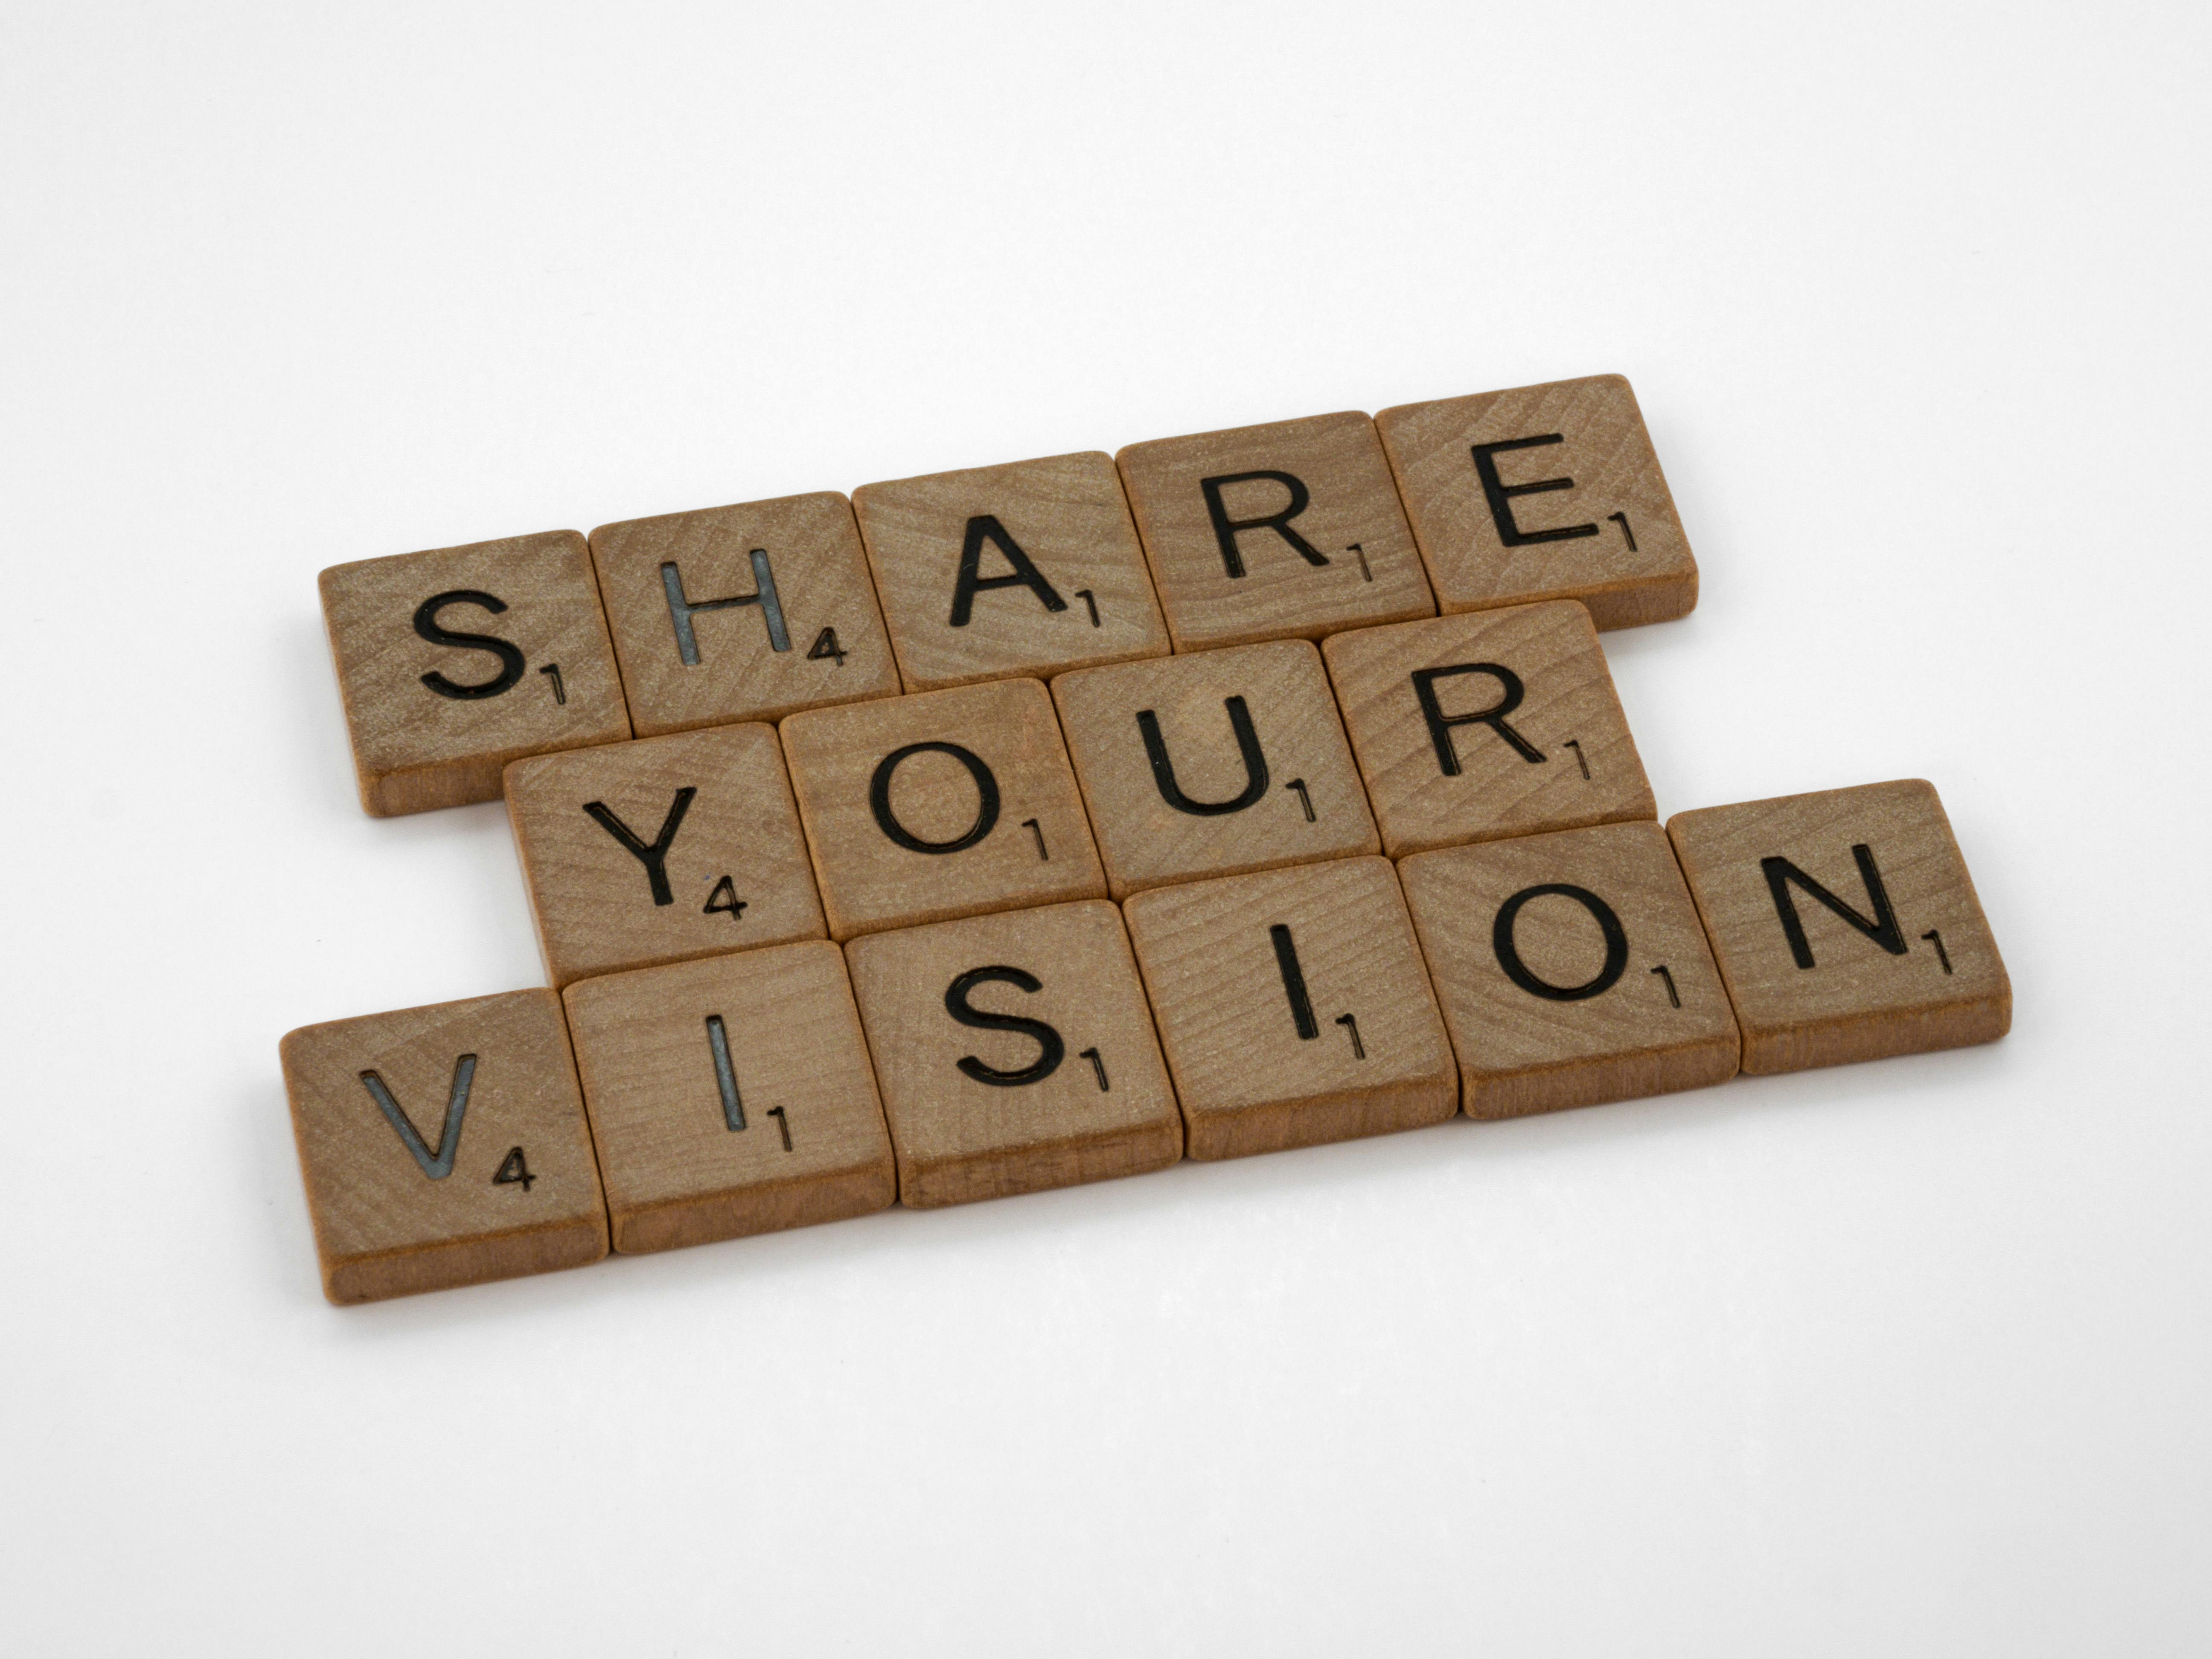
{"x":1015,"y":1052}
{"x":1572,"y":970}
{"x":1846,"y":924}
{"x":1487,"y":723}
{"x":1002,"y":571}
{"x":661,"y":850}
{"x":1213,"y":763}
{"x":731,"y":1096}
{"x":453,"y":662}
{"x":1543,"y":492}
{"x":1292,"y":529}
{"x":444,"y":1146}
{"x":947,"y":803}
{"x":742,"y":613}
{"x":1293,"y":1007}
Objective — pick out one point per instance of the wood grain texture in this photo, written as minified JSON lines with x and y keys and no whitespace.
{"x":1845,"y":991}
{"x":805,"y":1142}
{"x":1540,"y":667}
{"x":1048,"y":1122}
{"x":598,"y":908}
{"x":416,"y":749}
{"x":736,"y":672}
{"x":386,"y":1226}
{"x":1370,"y":1056}
{"x":1333,"y":500}
{"x":1618,"y":1032}
{"x":1067,"y":516}
{"x":991,"y":859}
{"x":1534,"y":542}
{"x":1145,"y":840}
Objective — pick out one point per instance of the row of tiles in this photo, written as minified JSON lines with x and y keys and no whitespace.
{"x":1006,"y":795}
{"x":1027,"y":1049}
{"x":456,"y":661}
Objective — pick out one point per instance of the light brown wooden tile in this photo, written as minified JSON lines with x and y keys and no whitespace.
{"x":1015,"y":1053}
{"x":997,"y":572}
{"x":1572,"y":970}
{"x":455,"y":661}
{"x":1293,"y":1007}
{"x":947,"y":804}
{"x":731,"y":1096}
{"x":661,"y":850}
{"x":1489,"y":723}
{"x":487,"y":1172}
{"x":1543,"y":492}
{"x":1213,"y":763}
{"x":1267,"y":532}
{"x":742,"y":613}
{"x":1846,"y":924}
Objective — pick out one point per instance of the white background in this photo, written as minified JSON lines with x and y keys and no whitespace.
{"x":1907,"y":1357}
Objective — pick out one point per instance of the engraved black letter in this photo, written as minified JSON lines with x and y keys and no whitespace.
{"x":1882,"y":930}
{"x":985,"y":528}
{"x":510,"y":660}
{"x":1248,"y":746}
{"x":655,"y":857}
{"x":681,"y":609}
{"x":1294,"y":982}
{"x":1225,"y":529}
{"x":1050,"y":1049}
{"x":1508,"y":957}
{"x":1500,"y":495}
{"x":438,"y":1164}
{"x":986,"y":798}
{"x":1440,"y":724}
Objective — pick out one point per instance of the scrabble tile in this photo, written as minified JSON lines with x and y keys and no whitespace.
{"x":444,"y":1146}
{"x":1487,"y":723}
{"x":1543,"y":492}
{"x":1572,"y":970}
{"x":453,"y":662}
{"x":1213,"y":763}
{"x":999,"y":572}
{"x":1293,"y":1007}
{"x":742,"y":613}
{"x":731,"y":1096}
{"x":1267,"y":532}
{"x":661,"y":850}
{"x":1015,"y":1053}
{"x":947,"y":804}
{"x":1846,"y":924}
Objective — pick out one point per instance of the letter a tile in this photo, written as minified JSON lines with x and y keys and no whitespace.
{"x":1271,"y":531}
{"x":1486,"y":725}
{"x":943,"y":804}
{"x":1846,"y":924}
{"x":453,"y":662}
{"x":1546,"y":492}
{"x":1293,"y":1007}
{"x":731,"y":1096}
{"x":444,"y":1146}
{"x":1003,"y":571}
{"x":1015,"y":1053}
{"x":661,"y":850}
{"x":1213,"y":763}
{"x":1572,"y":970}
{"x":742,"y":613}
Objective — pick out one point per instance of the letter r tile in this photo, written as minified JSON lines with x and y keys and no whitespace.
{"x":455,"y":661}
{"x":1545,"y":492}
{"x":1845,"y":925}
{"x":444,"y":1146}
{"x":661,"y":850}
{"x":999,"y":572}
{"x":938,"y":805}
{"x":742,"y":613}
{"x":1015,"y":1053}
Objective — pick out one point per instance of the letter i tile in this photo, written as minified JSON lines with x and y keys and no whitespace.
{"x":444,"y":1146}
